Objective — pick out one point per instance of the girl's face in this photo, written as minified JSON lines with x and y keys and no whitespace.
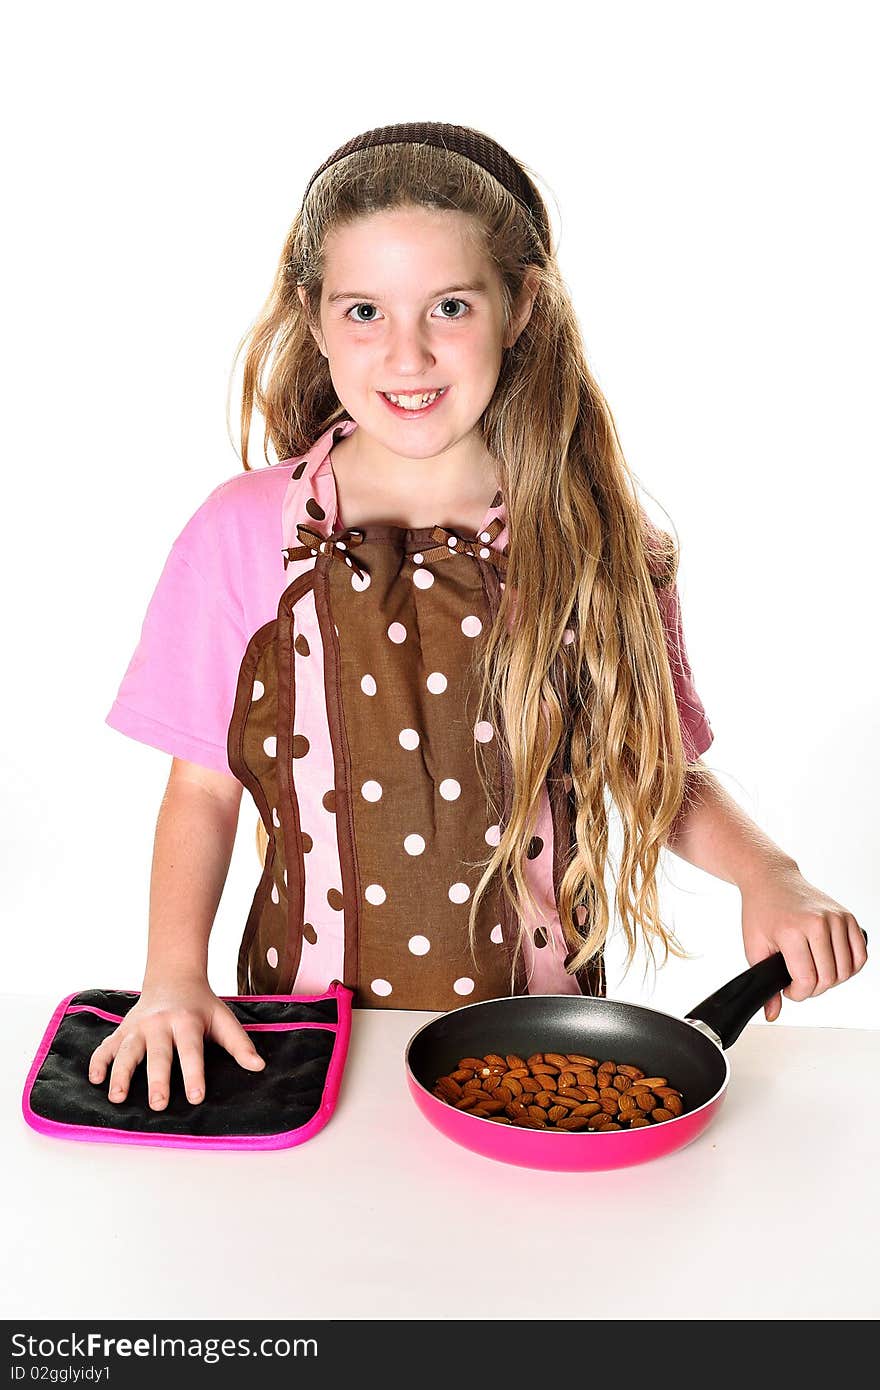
{"x":411,"y":304}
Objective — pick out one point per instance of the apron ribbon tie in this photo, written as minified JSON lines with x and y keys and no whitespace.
{"x":338,"y":544}
{"x":450,"y":543}
{"x":446,"y":544}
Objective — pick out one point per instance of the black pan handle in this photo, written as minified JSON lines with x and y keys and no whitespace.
{"x":729,"y":1009}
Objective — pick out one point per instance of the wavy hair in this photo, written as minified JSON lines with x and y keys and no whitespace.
{"x":583,"y":559}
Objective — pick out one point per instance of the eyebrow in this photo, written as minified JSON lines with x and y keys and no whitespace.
{"x":476,"y":287}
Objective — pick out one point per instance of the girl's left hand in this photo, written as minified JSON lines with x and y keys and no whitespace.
{"x":820,"y":940}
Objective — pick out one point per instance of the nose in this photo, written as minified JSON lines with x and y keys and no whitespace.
{"x":409,"y":354}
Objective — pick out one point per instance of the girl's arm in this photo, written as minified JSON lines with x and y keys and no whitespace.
{"x":819,"y":939}
{"x":195,"y":836}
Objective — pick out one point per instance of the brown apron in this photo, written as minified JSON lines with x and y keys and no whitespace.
{"x":373,"y":853}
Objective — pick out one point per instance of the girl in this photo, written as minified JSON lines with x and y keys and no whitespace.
{"x":443,"y":622}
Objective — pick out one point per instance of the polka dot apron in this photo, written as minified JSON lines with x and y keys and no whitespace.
{"x":354,"y":728}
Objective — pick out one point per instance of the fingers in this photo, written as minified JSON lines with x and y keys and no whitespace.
{"x":772,"y":1008}
{"x":833,"y":952}
{"x":856,"y":943}
{"x":801,"y":967}
{"x":228,"y":1032}
{"x":190,"y":1049}
{"x":840,"y":943}
{"x":126,"y":1051}
{"x":131,"y":1050}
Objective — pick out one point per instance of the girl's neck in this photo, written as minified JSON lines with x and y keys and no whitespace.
{"x":378,"y":488}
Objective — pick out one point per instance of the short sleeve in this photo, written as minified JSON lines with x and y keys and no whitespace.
{"x":178,"y":691}
{"x":696,"y":731}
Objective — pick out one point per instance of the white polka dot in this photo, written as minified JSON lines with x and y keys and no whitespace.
{"x":484,"y":536}
{"x":449,"y":789}
{"x":380,"y":987}
{"x":452,"y":542}
{"x":374,"y":893}
{"x":464,"y":986}
{"x":459,"y":893}
{"x":502,"y":583}
{"x":270,"y":744}
{"x":368,"y":685}
{"x":360,"y":582}
{"x":419,"y":945}
{"x":471,"y":626}
{"x":567,"y":636}
{"x":275,"y":897}
{"x":408,"y":738}
{"x":272,"y":957}
{"x":285,"y":878}
{"x":436,"y":682}
{"x":423,"y":579}
{"x":485,"y":552}
{"x":414,"y":844}
{"x":259,"y":690}
{"x":483,"y":731}
{"x":372,"y":791}
{"x":496,"y":934}
{"x":493,"y":835}
{"x":275,"y":820}
{"x":418,"y":558}
{"x":397,"y":633}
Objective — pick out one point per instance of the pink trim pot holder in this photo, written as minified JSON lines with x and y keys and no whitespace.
{"x":303,"y":1039}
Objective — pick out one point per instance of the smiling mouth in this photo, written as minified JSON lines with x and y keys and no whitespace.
{"x":414,"y":401}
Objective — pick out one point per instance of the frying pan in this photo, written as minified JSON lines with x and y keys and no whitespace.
{"x":690,"y":1053}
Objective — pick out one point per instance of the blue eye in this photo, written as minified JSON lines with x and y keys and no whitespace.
{"x":366,"y":305}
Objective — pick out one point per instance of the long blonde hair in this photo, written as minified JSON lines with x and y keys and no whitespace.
{"x":582,"y":556}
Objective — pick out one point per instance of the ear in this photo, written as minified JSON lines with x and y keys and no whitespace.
{"x":525,"y":304}
{"x":300,"y":289}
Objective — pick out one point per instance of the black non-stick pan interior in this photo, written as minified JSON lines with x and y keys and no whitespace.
{"x":605,"y":1029}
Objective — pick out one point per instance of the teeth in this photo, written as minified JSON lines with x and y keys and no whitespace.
{"x":413,"y":402}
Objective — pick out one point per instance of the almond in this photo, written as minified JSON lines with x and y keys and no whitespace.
{"x":585,"y":1078}
{"x":556,"y":1059}
{"x":564,"y":1099}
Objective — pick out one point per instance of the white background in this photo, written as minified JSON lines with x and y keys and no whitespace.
{"x":711,"y":177}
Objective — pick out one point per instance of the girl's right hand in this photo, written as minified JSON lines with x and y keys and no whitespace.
{"x":171,"y":1011}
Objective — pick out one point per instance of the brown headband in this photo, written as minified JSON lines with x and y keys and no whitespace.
{"x":479,"y":148}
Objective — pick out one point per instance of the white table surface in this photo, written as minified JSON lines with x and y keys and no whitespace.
{"x":774,"y":1212}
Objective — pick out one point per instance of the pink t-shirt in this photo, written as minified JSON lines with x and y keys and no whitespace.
{"x":222,"y":581}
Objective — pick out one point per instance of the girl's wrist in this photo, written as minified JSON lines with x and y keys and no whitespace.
{"x":768,"y":869}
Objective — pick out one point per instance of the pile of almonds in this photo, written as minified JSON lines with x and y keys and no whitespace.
{"x":559,"y":1090}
